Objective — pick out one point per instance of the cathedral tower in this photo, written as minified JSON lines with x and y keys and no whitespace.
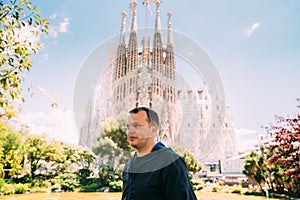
{"x":141,"y":71}
{"x":147,"y":76}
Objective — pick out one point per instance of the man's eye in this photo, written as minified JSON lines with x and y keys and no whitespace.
{"x":136,"y":126}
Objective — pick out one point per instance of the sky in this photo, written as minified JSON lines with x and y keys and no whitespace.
{"x":254,"y":44}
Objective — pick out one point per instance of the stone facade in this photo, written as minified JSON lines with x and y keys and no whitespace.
{"x":140,"y":74}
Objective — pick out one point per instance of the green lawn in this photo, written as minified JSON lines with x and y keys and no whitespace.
{"x":117,"y":196}
{"x":225,"y":196}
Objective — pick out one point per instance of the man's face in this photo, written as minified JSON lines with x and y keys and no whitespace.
{"x":139,"y":132}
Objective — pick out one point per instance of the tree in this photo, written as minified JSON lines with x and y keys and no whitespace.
{"x":278,"y":164}
{"x":113,"y":143}
{"x":86,"y":158}
{"x":72,"y":156}
{"x":53,"y":154}
{"x":34,"y":147}
{"x":285,"y":152}
{"x":251,"y":168}
{"x":256,"y":167}
{"x":11,"y":151}
{"x":191,"y":162}
{"x":68,"y":158}
{"x":116,"y":130}
{"x":20,"y":28}
{"x":38,"y":151}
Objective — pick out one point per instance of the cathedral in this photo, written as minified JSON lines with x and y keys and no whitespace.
{"x":141,"y":71}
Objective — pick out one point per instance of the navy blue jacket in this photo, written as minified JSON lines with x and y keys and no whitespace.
{"x":159,"y":175}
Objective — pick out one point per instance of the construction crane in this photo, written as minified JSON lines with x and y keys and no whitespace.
{"x":55,"y":103}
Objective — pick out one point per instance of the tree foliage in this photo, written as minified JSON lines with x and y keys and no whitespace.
{"x":285,"y":152}
{"x":63,"y":157}
{"x":11,"y":151}
{"x":73,"y":154}
{"x":116,"y":130}
{"x":278,"y":164}
{"x":35,"y":148}
{"x":191,"y":162}
{"x":113,"y":144}
{"x":26,"y":158}
{"x":20,"y":29}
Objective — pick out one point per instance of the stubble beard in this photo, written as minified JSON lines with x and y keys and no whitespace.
{"x":141,"y":144}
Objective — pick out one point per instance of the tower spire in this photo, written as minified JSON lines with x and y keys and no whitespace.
{"x":120,"y":63}
{"x":157,"y":22}
{"x":170,"y":60}
{"x":132,"y":5}
{"x":122,"y":36}
{"x":170,"y":35}
{"x":132,"y":53}
{"x":157,"y":53}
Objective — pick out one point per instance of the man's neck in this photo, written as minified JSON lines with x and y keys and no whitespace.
{"x":140,"y":154}
{"x":145,"y":151}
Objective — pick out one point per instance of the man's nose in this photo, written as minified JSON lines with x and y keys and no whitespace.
{"x":129,"y":129}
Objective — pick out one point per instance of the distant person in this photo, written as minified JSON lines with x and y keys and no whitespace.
{"x":154,"y":172}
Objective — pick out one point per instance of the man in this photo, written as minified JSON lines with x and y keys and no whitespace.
{"x":154,"y":172}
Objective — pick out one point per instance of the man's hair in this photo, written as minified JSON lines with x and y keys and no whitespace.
{"x":151,"y":114}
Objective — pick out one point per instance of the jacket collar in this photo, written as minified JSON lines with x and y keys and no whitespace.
{"x":158,"y":146}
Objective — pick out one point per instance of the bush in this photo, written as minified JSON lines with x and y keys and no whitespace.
{"x":55,"y":187}
{"x":23,"y":179}
{"x":8,"y":189}
{"x":83,"y":175}
{"x":70,"y":185}
{"x":44,"y":184}
{"x":197,"y":184}
{"x":90,"y":188}
{"x":116,"y":186}
{"x":21,"y":188}
{"x":2,"y":182}
{"x":107,"y":175}
{"x":68,"y":182}
{"x":254,"y":193}
{"x":236,"y":191}
{"x":216,"y":188}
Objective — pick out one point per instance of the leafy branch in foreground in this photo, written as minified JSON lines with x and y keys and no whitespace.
{"x":20,"y":30}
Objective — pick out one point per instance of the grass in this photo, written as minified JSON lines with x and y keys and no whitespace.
{"x":226,"y":196}
{"x":117,"y":196}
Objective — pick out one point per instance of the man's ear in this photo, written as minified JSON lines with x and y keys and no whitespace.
{"x":154,"y":129}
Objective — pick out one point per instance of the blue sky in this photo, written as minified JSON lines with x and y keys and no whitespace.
{"x":255,"y":46}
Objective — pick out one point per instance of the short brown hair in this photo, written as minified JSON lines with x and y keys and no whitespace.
{"x":151,"y":114}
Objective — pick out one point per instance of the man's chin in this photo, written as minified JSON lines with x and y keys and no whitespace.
{"x":133,"y":144}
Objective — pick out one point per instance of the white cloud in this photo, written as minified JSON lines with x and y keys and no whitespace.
{"x":250,"y":30}
{"x":57,"y":124}
{"x":64,"y":25}
{"x":53,"y":16}
{"x":246,"y":139}
{"x":53,"y":32}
